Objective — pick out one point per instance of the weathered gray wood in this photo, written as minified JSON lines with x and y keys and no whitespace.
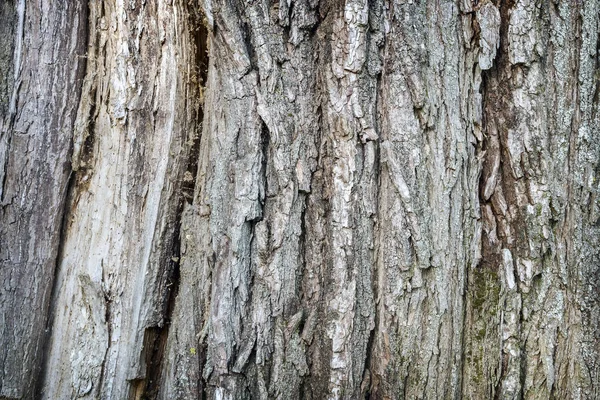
{"x":359,"y":199}
{"x":133,"y":136}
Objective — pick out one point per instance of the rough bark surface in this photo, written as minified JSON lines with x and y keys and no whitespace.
{"x":300,"y":199}
{"x":42,"y":61}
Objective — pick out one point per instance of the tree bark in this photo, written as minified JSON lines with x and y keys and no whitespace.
{"x":300,"y":199}
{"x":42,"y":62}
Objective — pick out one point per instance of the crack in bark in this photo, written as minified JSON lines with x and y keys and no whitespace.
{"x":107,"y":318}
{"x":54,"y":290}
{"x":73,"y":182}
{"x":155,"y":338}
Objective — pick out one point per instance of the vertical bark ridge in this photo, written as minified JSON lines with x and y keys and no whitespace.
{"x":350,"y":76}
{"x":134,"y":134}
{"x":39,"y":102}
{"x":584,"y":307}
{"x":427,"y":227}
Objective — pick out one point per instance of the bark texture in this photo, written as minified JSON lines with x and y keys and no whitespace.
{"x":42,"y":62}
{"x":300,"y":199}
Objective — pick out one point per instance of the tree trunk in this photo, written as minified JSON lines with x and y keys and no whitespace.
{"x":300,"y":199}
{"x":42,"y":63}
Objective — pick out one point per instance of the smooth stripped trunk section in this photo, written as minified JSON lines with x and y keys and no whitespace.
{"x":135,"y":131}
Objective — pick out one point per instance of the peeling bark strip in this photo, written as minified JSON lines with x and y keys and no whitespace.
{"x":300,"y":199}
{"x":135,"y":130}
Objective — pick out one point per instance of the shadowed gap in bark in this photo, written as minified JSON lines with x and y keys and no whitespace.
{"x":484,"y":281}
{"x":155,"y":338}
{"x":368,"y":386}
{"x":75,"y":182}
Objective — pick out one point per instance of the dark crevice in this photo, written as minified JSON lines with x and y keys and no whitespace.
{"x":483,"y":281}
{"x":366,"y":385}
{"x":70,"y":191}
{"x":156,"y":337}
{"x":252,"y":56}
{"x":107,"y":319}
{"x":200,"y":36}
{"x":202,"y":357}
{"x":498,"y":116}
{"x":596,"y":96}
{"x":266,"y":140}
{"x":302,"y":248}
{"x":369,"y":386}
{"x":5,"y":175}
{"x":188,"y":185}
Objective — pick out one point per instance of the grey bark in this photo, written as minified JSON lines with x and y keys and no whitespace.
{"x":42,"y":61}
{"x":300,"y":199}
